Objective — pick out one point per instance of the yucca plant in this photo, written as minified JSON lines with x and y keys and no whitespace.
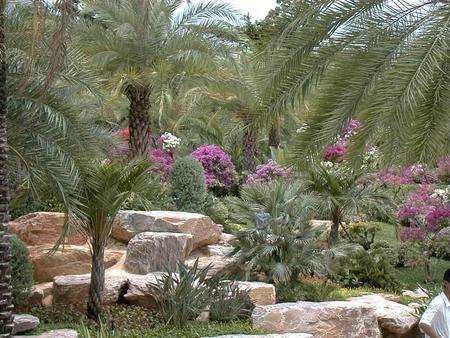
{"x":138,"y":44}
{"x":102,"y":191}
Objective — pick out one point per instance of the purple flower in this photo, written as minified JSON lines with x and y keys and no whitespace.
{"x":412,"y":234}
{"x":164,"y":163}
{"x":267,"y":172}
{"x":219,"y":169}
{"x":335,"y":153}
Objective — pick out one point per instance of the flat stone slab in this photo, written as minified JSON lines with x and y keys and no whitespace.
{"x":24,"y":322}
{"x":63,"y":333}
{"x":285,"y":335}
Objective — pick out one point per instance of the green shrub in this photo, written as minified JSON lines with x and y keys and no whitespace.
{"x":189,"y":189}
{"x":362,"y":233}
{"x":309,"y":291}
{"x":22,"y":271}
{"x":217,"y":211}
{"x":359,"y":267}
{"x":228,"y":302}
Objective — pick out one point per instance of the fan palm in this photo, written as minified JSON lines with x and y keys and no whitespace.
{"x":6,"y":306}
{"x":136,"y":41}
{"x":102,"y":191}
{"x":344,"y":194}
{"x":384,"y":62}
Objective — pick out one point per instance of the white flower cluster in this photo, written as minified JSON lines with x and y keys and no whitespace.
{"x":170,"y":141}
{"x":302,"y":128}
{"x":442,"y":194}
{"x":370,"y":157}
{"x":338,"y":169}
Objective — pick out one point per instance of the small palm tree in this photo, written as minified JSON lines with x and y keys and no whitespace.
{"x":103,"y":190}
{"x":137,"y":42}
{"x":343,"y":195}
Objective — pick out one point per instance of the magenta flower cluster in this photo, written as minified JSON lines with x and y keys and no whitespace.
{"x":336,"y":153}
{"x":413,"y":174}
{"x":423,"y":212}
{"x":267,"y":172}
{"x":220,"y":171}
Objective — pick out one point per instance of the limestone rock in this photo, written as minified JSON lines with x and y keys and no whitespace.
{"x":227,"y":239}
{"x":74,"y":289}
{"x":42,"y":294}
{"x":139,"y":292}
{"x":129,"y":223}
{"x":218,"y":263}
{"x":68,"y":260}
{"x":41,"y":228}
{"x":23,"y":323}
{"x":259,"y":293}
{"x":322,"y":320}
{"x":284,"y":335}
{"x":320,"y":224}
{"x":63,"y":333}
{"x":416,"y":294}
{"x":157,"y":251}
{"x":393,"y":318}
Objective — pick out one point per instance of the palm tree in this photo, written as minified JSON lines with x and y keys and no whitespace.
{"x":136,"y":41}
{"x":6,"y":324}
{"x":344,"y":194}
{"x":234,"y":89}
{"x":103,"y":190}
{"x":383,"y":62}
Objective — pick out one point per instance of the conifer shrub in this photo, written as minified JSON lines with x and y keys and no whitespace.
{"x":189,"y":190}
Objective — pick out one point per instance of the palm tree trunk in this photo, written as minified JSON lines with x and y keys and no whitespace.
{"x":6,"y":317}
{"x":94,"y":306}
{"x":139,"y":121}
{"x":274,"y":135}
{"x":334,"y":231}
{"x":249,"y":145}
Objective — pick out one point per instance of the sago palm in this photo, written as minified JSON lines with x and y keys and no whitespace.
{"x":134,"y":42}
{"x":344,"y":194}
{"x":384,"y":62}
{"x":102,"y":191}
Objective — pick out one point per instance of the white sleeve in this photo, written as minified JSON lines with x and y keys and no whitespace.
{"x":431,"y":311}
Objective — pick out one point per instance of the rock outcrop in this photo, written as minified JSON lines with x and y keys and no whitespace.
{"x":41,"y":228}
{"x":259,"y":293}
{"x":24,"y":323}
{"x":321,"y":320}
{"x":157,"y":251}
{"x":129,"y":223}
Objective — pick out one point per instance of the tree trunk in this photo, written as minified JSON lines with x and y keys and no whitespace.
{"x":334,"y":231}
{"x":6,"y":307}
{"x":94,"y":306}
{"x":139,"y":121}
{"x":249,"y":145}
{"x":274,"y":135}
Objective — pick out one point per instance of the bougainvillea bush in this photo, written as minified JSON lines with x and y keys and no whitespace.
{"x":220,"y":172}
{"x":337,"y":152}
{"x":267,"y":172}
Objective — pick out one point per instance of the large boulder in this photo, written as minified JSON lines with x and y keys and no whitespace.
{"x":284,"y":335}
{"x":259,"y":293}
{"x":129,"y":223}
{"x":217,"y":264}
{"x":23,"y":323}
{"x":139,"y":292}
{"x":157,"y":251}
{"x":62,"y":333}
{"x":68,"y":260}
{"x":322,"y":320}
{"x":394,"y":319}
{"x":42,"y":294}
{"x":74,"y":289}
{"x":41,"y":228}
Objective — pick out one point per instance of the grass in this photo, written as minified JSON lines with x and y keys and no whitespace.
{"x":193,"y":330}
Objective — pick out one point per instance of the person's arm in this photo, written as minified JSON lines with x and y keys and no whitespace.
{"x":429,"y":330}
{"x":427,"y":318}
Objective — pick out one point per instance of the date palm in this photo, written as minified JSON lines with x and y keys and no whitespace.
{"x":383,"y":62}
{"x":6,"y":306}
{"x":136,"y":41}
{"x":103,"y":189}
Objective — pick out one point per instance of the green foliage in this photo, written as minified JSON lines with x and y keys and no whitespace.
{"x":183,"y":296}
{"x":22,"y":271}
{"x":310,"y":291}
{"x":189,"y":189}
{"x":217,"y":211}
{"x":362,"y":233}
{"x":359,"y":267}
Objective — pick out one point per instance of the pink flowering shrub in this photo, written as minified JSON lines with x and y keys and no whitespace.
{"x":267,"y":172}
{"x":219,"y":169}
{"x":443,"y":169}
{"x":337,"y":152}
{"x":413,"y":174}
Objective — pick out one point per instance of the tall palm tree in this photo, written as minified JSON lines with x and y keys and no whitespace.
{"x":343,"y":194}
{"x":384,"y":62}
{"x":135,"y":41}
{"x":234,"y":89}
{"x":6,"y":306}
{"x":102,"y":191}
